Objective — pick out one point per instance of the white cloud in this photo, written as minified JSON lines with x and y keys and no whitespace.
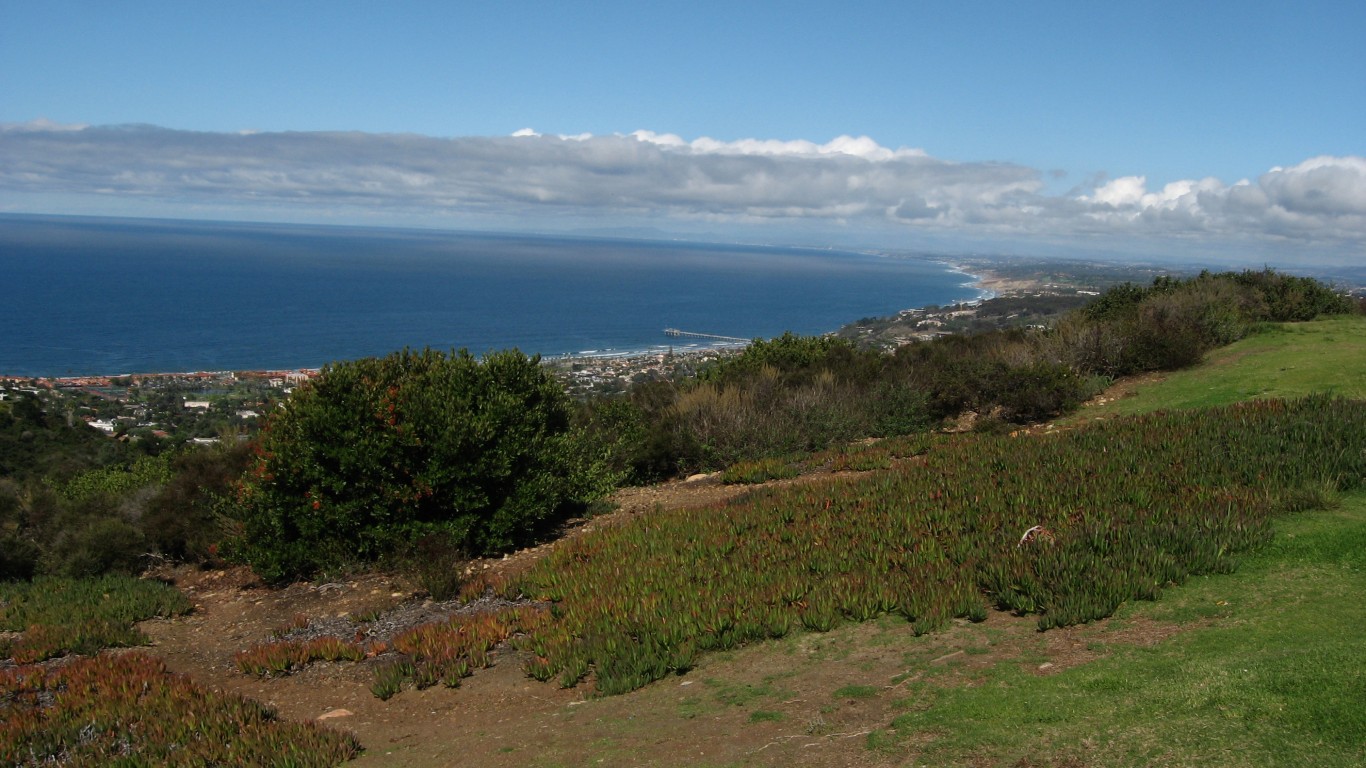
{"x":1124,"y":191}
{"x":860,"y":146}
{"x":847,"y":181}
{"x":1327,"y":186}
{"x":1321,"y":199}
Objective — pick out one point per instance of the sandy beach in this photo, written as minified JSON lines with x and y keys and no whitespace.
{"x":996,"y":285}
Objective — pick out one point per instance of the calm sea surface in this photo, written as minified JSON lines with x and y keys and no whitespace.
{"x":102,"y":296}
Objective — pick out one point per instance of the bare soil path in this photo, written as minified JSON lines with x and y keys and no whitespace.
{"x":809,"y":699}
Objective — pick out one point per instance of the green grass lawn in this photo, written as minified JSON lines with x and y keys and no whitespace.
{"x":1282,"y":360}
{"x":1270,"y":671}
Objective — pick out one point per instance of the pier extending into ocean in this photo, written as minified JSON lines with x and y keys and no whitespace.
{"x":689,"y":334}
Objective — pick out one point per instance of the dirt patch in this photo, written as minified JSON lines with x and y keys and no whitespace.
{"x":809,"y":699}
{"x":1073,"y":646}
{"x":234,"y":611}
{"x":1125,"y":387}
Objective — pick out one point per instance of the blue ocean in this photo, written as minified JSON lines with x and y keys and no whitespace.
{"x":84,"y":296}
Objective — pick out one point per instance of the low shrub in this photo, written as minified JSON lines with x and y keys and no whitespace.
{"x":899,"y":407}
{"x":1288,"y":298}
{"x":437,"y":564}
{"x":19,"y":557}
{"x":1039,"y":391}
{"x":183,"y":521}
{"x":103,"y":543}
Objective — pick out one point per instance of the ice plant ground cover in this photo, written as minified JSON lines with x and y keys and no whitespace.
{"x":57,"y":616}
{"x":1066,"y":526}
{"x":1118,"y":512}
{"x":102,"y":709}
{"x":128,"y":709}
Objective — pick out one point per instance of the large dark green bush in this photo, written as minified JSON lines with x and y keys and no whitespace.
{"x":1288,"y":298}
{"x":379,"y":453}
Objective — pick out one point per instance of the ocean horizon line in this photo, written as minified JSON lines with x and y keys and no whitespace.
{"x":94,"y":294}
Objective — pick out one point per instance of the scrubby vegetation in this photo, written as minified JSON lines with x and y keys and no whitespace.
{"x":120,"y":517}
{"x":806,"y":394}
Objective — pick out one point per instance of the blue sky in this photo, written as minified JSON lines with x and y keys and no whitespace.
{"x":1021,"y":125}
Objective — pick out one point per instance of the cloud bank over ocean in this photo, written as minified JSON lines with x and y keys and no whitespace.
{"x":656,"y":179}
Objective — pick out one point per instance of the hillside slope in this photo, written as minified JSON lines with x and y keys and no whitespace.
{"x":1281,"y":360}
{"x":1255,"y":668}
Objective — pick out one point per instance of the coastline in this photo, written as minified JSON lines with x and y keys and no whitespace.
{"x":258,"y":296}
{"x":993,"y":285}
{"x":290,"y":375}
{"x":987,"y":284}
